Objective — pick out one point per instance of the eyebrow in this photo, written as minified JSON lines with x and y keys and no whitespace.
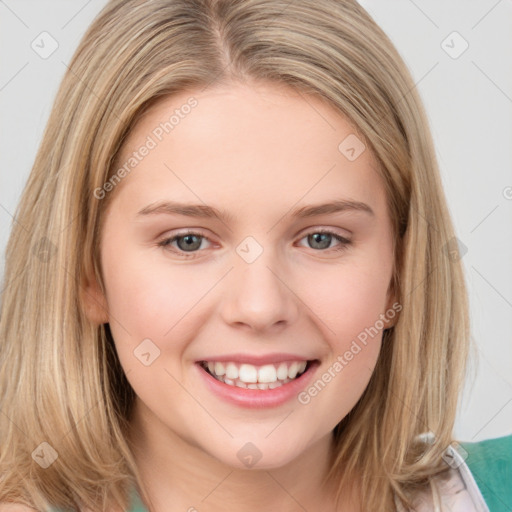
{"x":205,"y":211}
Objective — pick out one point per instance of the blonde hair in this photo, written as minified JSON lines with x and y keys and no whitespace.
{"x":60,"y":380}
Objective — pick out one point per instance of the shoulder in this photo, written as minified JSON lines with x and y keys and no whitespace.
{"x":490,"y":463}
{"x":477,"y":479}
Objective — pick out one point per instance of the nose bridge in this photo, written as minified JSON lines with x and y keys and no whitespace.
{"x":257,"y":295}
{"x":256,"y":282}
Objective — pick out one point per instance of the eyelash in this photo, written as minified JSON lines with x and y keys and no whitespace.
{"x":166,"y":242}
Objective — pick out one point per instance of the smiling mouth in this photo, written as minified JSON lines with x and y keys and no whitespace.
{"x":248,"y":376}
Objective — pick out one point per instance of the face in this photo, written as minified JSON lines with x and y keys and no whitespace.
{"x":247,"y":256}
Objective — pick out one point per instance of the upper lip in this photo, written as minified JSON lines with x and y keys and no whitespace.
{"x":256,"y":360}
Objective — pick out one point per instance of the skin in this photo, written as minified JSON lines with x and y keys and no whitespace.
{"x":257,"y":152}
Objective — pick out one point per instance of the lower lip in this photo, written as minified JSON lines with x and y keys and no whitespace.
{"x":258,"y":398}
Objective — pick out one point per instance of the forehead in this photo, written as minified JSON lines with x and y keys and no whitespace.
{"x":265,"y":140}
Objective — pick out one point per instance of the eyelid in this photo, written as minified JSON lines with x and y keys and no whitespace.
{"x":187,"y":231}
{"x":303,"y":233}
{"x":326,"y":229}
{"x":184,"y":232}
{"x":343,"y":244}
{"x":167,"y":240}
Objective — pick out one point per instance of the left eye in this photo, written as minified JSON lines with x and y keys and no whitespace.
{"x":187,"y":242}
{"x":191,"y":242}
{"x":322,"y":240}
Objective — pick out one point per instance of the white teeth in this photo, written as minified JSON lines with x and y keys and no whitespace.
{"x":282,"y":371}
{"x":218,"y":369}
{"x":292,"y":371}
{"x":248,"y":373}
{"x":296,"y":368}
{"x":268,"y":376}
{"x":232,"y":371}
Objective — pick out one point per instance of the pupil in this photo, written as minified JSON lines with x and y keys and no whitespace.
{"x":189,"y":242}
{"x":317,"y":238}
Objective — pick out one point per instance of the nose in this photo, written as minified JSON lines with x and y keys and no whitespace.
{"x":257,"y":296}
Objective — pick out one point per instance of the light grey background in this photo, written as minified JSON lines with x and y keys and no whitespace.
{"x":468,"y":98}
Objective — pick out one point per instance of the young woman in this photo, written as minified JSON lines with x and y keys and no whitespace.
{"x":228,"y":284}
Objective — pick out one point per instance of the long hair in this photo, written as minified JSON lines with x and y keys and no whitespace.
{"x":65,"y":402}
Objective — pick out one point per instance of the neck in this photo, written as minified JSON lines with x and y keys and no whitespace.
{"x":180,"y":476}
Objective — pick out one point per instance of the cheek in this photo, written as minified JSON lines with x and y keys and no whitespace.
{"x":148,"y":300}
{"x":349,"y":302}
{"x":146,"y":295}
{"x":349,"y":305}
{"x":347,"y":299}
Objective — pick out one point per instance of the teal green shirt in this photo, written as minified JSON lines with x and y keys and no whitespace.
{"x":136,"y":503}
{"x":490,"y":463}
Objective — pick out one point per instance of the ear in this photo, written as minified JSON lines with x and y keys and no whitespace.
{"x":94,"y":301}
{"x":393,"y":307}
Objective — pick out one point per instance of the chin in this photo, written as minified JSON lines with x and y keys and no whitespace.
{"x":260,"y":454}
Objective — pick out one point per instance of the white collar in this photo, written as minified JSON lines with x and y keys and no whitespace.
{"x":454,"y":490}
